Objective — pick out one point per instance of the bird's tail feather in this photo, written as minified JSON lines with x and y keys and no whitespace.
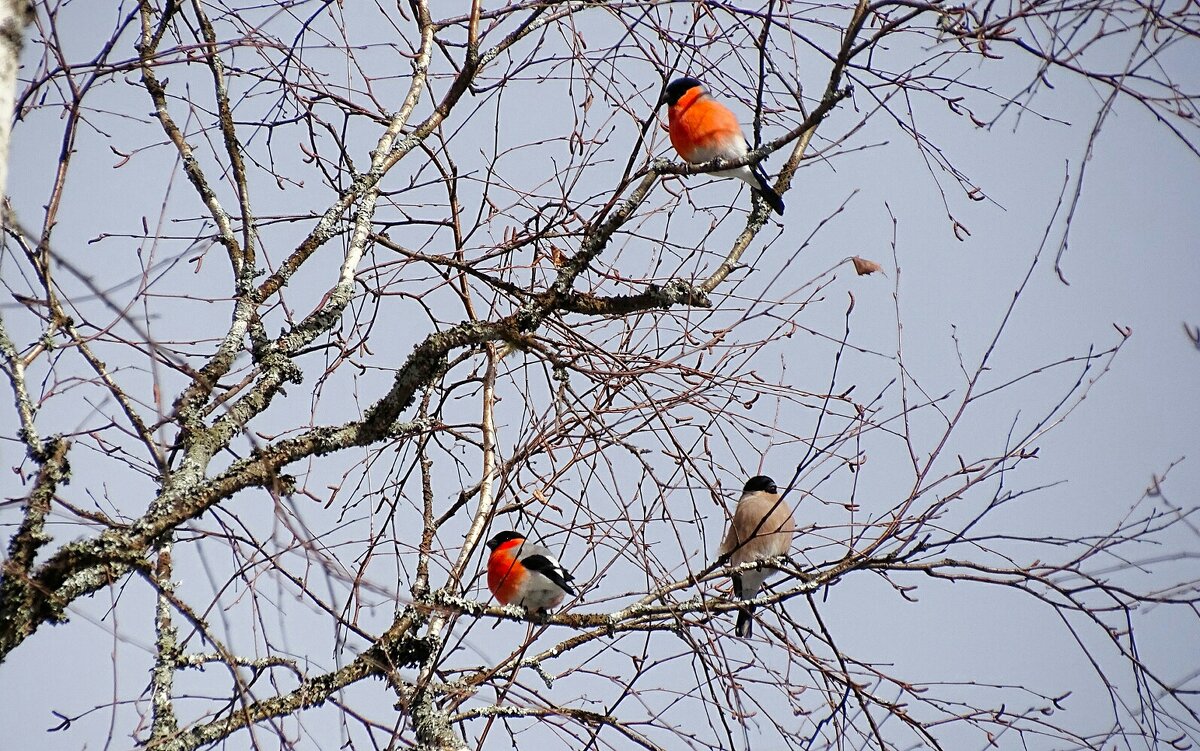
{"x":745,"y":622}
{"x":768,"y":193}
{"x":745,"y":619}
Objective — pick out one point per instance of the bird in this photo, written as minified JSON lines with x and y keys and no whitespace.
{"x":761,"y":529}
{"x":520,"y":572}
{"x":703,"y":129}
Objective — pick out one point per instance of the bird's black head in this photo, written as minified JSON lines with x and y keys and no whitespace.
{"x":502,"y":538}
{"x":760,"y":483}
{"x":677,"y":89}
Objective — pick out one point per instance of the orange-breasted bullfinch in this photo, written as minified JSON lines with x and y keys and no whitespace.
{"x":703,"y":129}
{"x":761,"y":529}
{"x":524,"y":573}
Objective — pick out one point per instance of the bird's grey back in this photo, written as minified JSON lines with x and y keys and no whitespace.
{"x":529,"y":548}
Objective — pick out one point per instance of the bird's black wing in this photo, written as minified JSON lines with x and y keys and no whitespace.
{"x":550,"y":570}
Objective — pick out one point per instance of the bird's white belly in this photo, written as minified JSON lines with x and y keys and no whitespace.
{"x":730,"y":151}
{"x":540,"y":593}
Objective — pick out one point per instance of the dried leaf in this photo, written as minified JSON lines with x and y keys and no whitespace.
{"x":863,"y":267}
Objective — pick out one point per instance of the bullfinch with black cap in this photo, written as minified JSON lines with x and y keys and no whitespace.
{"x":703,"y":129}
{"x":761,"y":529}
{"x":520,"y":572}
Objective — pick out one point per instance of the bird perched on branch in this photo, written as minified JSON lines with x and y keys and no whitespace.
{"x":761,"y":529}
{"x":703,"y":129}
{"x":524,"y":573}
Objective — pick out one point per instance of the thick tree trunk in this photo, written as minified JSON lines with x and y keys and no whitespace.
{"x":15,"y":15}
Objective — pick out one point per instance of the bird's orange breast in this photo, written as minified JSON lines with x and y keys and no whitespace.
{"x":505,"y":572}
{"x":699,"y":125}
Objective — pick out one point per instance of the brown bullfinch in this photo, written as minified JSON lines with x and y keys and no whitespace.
{"x":761,"y":529}
{"x":524,"y":573}
{"x":703,"y":129}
